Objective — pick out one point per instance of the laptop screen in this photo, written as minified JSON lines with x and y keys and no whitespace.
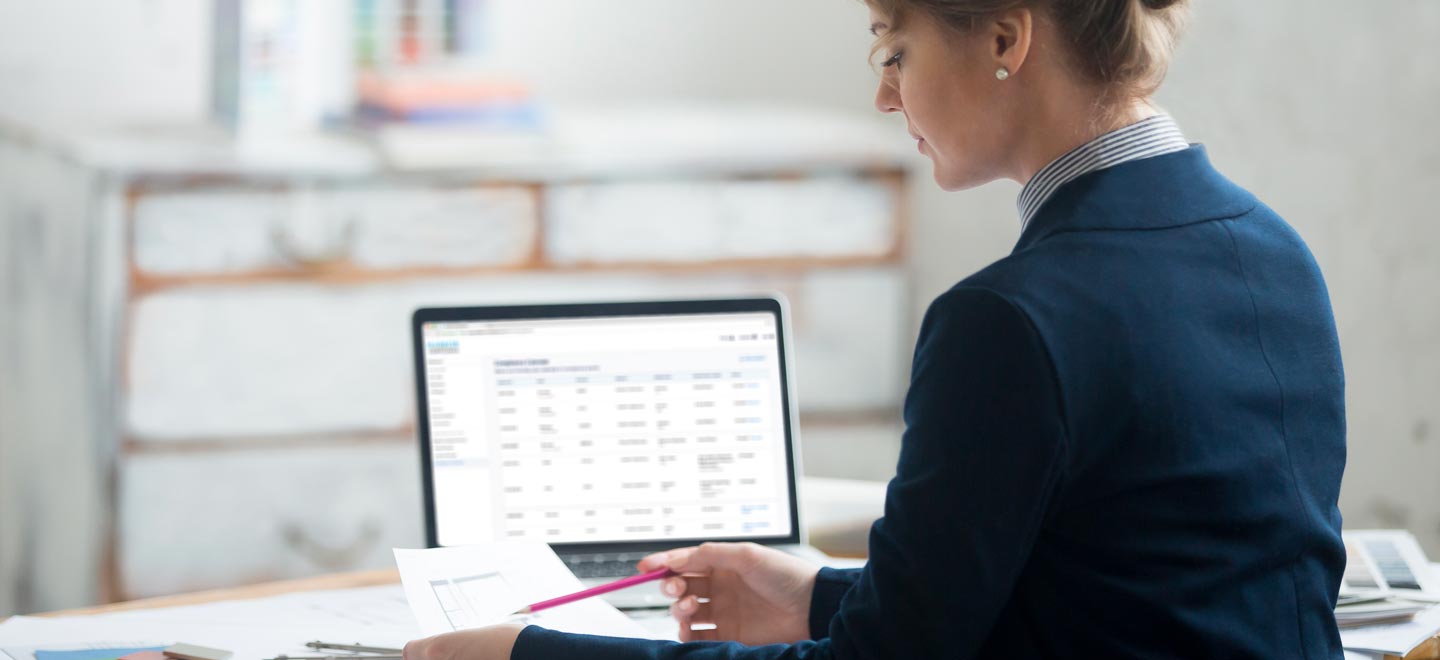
{"x":607,"y":429}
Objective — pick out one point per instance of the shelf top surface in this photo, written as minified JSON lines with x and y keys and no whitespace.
{"x":584,"y":143}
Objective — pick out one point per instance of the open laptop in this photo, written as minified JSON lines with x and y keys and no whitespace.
{"x":608,"y":430}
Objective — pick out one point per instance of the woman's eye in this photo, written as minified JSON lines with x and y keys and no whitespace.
{"x":893,"y":61}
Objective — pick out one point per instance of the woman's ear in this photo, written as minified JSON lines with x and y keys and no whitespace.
{"x":1009,"y":35}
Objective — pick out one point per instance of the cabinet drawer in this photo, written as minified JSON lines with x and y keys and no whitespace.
{"x":232,"y":230}
{"x":852,"y":340}
{"x":221,"y":362}
{"x":201,"y":520}
{"x":687,"y":221}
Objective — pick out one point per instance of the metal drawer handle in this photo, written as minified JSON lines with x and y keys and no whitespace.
{"x":341,"y":558}
{"x":337,"y":253}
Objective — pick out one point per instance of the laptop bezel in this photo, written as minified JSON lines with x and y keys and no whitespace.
{"x":773,"y":305}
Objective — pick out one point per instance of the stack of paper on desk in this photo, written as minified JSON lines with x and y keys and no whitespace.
{"x":1396,"y":638}
{"x":1376,"y":612}
{"x":256,"y":628}
{"x":457,"y":588}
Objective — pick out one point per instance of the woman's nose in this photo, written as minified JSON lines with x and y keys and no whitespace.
{"x":887,"y":98}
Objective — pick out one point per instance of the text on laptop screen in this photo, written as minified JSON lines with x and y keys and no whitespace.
{"x":593,"y":430}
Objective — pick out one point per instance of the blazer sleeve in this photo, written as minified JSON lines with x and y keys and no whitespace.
{"x":981,"y":464}
{"x":831,"y":585}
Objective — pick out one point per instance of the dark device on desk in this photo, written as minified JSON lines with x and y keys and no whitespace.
{"x":608,"y":430}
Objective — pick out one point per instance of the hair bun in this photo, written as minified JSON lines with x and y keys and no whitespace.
{"x":1159,"y":4}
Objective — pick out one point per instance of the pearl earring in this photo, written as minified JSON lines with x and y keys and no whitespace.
{"x":1002,"y":73}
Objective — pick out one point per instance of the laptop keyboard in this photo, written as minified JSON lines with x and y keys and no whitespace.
{"x":603,"y":566}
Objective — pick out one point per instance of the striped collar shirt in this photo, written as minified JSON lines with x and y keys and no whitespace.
{"x":1147,"y":138}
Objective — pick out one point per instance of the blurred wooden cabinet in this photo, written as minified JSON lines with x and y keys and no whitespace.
{"x":243,"y":394}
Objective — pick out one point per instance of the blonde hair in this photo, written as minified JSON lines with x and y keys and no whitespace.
{"x":1122,"y":46}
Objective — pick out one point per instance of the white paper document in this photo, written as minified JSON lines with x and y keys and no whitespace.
{"x":1395,"y":638}
{"x":251,"y":628}
{"x":1361,"y":655}
{"x":478,"y":585}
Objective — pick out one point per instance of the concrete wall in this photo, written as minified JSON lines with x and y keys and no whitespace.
{"x":1329,"y":115}
{"x":1324,"y":108}
{"x":1327,"y":110}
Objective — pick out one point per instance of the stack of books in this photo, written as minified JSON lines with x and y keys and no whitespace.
{"x":443,"y":117}
{"x":446,"y":97}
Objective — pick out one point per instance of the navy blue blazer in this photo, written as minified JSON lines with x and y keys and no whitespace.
{"x":1124,"y":440}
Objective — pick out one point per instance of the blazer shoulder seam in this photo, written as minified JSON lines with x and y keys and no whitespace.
{"x":1045,"y":349}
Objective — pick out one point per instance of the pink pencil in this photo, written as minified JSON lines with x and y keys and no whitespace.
{"x":596,"y":591}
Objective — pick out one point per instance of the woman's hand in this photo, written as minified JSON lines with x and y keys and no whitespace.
{"x":756,"y":595}
{"x":488,"y":643}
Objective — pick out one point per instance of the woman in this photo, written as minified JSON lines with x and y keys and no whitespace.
{"x":1124,"y":440}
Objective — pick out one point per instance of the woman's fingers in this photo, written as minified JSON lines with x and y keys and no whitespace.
{"x":678,"y":586}
{"x":695,"y":618}
{"x":710,"y":557}
{"x":692,"y":589}
{"x":652,"y":562}
{"x":673,"y":587}
{"x":691,"y":609}
{"x":704,"y":635}
{"x":663,"y":559}
{"x":695,"y":585}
